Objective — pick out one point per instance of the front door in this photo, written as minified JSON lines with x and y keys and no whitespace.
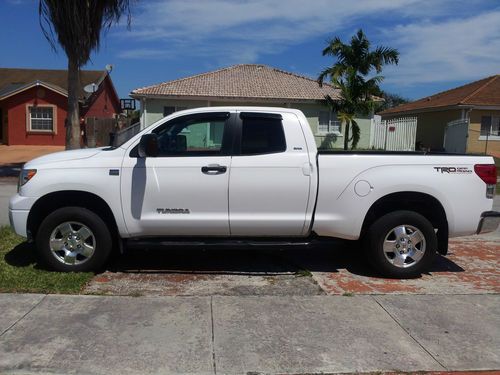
{"x":183,"y":191}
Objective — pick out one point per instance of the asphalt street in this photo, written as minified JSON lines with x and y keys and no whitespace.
{"x":8,"y":187}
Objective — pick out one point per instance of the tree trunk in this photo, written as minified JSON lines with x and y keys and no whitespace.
{"x":73,"y":117}
{"x":346,"y":136}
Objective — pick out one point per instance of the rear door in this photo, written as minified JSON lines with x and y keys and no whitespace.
{"x":270,"y":176}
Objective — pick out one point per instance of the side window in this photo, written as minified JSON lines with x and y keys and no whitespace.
{"x":191,"y":137}
{"x":262,"y":135}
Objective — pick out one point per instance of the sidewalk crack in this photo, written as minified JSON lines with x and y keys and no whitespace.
{"x":213,"y":335}
{"x":409,"y":334}
{"x":22,"y":317}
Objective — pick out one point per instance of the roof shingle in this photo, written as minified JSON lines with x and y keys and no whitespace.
{"x":248,"y":81}
{"x":10,"y":78}
{"x":485,"y":92}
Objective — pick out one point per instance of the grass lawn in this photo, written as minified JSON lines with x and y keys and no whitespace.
{"x":19,"y":271}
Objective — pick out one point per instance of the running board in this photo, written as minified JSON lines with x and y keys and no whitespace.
{"x":155,"y":242}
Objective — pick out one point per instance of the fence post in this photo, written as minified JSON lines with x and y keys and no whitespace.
{"x":386,"y":123}
{"x":486,"y":146}
{"x":90,"y":132}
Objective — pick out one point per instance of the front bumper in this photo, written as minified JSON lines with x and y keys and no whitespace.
{"x":489,"y":222}
{"x":19,"y":209}
{"x":18,"y":221}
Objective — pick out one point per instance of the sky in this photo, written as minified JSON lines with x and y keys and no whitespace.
{"x":442,"y":43}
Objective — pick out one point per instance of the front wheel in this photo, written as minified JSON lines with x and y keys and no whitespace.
{"x":401,"y":244}
{"x":73,"y":239}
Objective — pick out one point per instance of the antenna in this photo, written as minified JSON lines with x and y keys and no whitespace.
{"x":91,"y":88}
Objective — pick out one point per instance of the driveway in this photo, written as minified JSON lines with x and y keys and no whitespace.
{"x":238,"y":335}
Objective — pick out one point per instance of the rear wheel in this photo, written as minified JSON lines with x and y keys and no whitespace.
{"x":73,"y":239}
{"x":401,"y":244}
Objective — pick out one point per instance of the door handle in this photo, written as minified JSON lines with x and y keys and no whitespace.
{"x":214,"y":169}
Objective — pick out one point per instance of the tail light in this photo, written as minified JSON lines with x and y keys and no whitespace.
{"x":487,"y":173}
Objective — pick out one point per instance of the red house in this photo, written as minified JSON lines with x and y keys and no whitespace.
{"x":33,"y":104}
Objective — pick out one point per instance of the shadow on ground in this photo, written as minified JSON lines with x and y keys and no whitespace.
{"x":248,"y":262}
{"x":253,"y":271}
{"x":22,"y":255}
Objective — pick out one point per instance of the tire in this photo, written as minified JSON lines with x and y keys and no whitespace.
{"x":401,"y":244}
{"x":73,"y":239}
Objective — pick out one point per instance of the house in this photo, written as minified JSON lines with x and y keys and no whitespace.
{"x":33,"y":104}
{"x":463,"y":119}
{"x":253,"y":85}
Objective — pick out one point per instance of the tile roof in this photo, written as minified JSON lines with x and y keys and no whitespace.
{"x":485,"y":92}
{"x":12,"y":78}
{"x":248,"y":81}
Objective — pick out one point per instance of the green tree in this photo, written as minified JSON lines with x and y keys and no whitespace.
{"x":349,"y":74}
{"x":390,"y":100}
{"x":77,"y":25}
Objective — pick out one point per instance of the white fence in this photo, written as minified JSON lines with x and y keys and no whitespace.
{"x":397,"y":134}
{"x":455,"y":136}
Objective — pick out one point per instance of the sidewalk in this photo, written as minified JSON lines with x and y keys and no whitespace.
{"x":233,"y":335}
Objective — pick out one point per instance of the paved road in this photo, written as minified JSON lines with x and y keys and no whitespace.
{"x":7,"y":189}
{"x":235,"y":335}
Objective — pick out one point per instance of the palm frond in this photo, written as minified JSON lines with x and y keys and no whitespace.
{"x":356,"y":133}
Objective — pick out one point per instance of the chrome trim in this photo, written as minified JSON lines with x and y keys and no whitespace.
{"x":489,"y":222}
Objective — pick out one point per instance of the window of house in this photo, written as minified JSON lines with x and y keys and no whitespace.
{"x":168,"y":110}
{"x":262,"y":135}
{"x":41,"y":118}
{"x":490,"y":126}
{"x":328,"y":123}
{"x":190,"y":136}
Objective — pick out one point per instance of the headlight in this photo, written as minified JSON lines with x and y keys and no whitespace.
{"x":25,"y":176}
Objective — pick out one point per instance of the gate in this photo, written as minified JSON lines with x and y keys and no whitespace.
{"x":455,"y":136}
{"x":397,"y":134}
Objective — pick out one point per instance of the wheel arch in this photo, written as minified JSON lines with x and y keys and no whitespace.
{"x":66,"y":198}
{"x":422,"y":203}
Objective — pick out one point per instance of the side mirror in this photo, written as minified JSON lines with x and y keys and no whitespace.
{"x":148,"y":146}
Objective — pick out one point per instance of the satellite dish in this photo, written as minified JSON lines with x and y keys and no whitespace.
{"x":109,"y":68}
{"x":91,"y":88}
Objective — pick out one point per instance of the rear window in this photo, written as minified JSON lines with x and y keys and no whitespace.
{"x":261,"y":135}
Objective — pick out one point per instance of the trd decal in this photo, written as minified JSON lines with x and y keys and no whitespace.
{"x":453,"y":170}
{"x":172,"y":210}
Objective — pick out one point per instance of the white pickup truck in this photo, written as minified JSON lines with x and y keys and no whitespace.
{"x":249,"y":176}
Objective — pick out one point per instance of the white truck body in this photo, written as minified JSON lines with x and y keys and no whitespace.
{"x":297,"y":192}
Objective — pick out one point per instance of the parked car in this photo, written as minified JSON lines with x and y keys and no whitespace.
{"x":249,"y":176}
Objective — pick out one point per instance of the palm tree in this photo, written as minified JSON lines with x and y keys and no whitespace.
{"x":78,"y":25}
{"x":354,"y":62}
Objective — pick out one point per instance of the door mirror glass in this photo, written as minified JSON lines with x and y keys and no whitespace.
{"x":148,"y":146}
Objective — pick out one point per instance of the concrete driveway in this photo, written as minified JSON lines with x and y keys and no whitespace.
{"x":248,"y":335}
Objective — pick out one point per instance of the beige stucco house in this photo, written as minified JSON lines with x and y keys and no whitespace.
{"x":475,"y":105}
{"x":254,"y":85}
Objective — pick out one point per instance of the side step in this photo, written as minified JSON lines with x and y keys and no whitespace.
{"x":169,"y":242}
